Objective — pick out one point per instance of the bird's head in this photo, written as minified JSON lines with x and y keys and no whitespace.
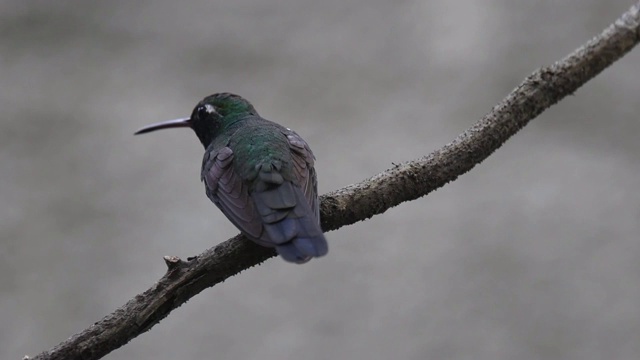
{"x":211,"y":115}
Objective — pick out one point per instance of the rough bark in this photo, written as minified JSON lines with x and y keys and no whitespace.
{"x":404,"y":182}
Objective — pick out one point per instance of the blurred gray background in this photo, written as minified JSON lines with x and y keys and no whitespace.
{"x":532,"y":255}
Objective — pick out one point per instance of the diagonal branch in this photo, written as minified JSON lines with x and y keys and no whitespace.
{"x":358,"y":202}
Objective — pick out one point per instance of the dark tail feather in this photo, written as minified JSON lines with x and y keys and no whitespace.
{"x":298,"y":239}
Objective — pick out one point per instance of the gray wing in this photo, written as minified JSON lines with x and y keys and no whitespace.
{"x":230,"y":193}
{"x":305,"y":173}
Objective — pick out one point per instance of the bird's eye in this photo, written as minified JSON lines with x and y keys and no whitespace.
{"x":202,"y":112}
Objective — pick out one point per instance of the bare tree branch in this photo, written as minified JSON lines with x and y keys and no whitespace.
{"x":408,"y":181}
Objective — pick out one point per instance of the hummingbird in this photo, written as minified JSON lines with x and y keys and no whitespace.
{"x":259,"y":174}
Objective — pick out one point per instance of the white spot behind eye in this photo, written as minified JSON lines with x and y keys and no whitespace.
{"x":210,"y":109}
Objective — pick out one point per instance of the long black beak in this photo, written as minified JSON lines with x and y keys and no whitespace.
{"x":177,"y":123}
